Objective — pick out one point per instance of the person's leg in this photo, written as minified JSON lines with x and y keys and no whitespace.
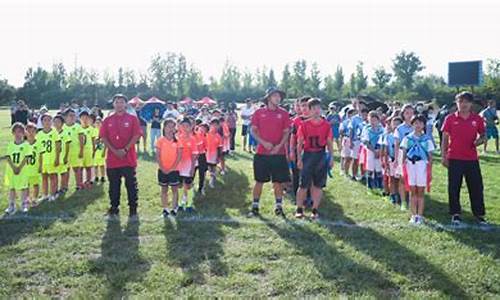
{"x":355,"y":164}
{"x":420,"y":203}
{"x":12,"y":199}
{"x":36,"y":193}
{"x":53,"y":184}
{"x":455,"y":174}
{"x":233,"y":136}
{"x":474,"y":181}
{"x":316,"y":194}
{"x":45,"y":185}
{"x":278,"y":193}
{"x":497,"y":143}
{"x":114,"y":179}
{"x":131,"y":186}
{"x":164,"y":196}
{"x":413,"y":200}
{"x":175,"y":197}
{"x":64,"y":181}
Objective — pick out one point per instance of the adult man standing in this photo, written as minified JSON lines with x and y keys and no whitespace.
{"x":463,"y":131}
{"x":270,"y":127}
{"x":246,"y":116}
{"x":120,"y":132}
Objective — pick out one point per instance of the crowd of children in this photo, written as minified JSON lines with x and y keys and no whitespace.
{"x":39,"y":160}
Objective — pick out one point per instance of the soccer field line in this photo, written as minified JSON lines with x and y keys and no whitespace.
{"x":430,"y":225}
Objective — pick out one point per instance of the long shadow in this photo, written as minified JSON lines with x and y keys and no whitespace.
{"x":346,"y":275}
{"x":197,"y":247}
{"x":120,"y":261}
{"x":394,"y":256}
{"x":42,"y":217}
{"x":483,"y":241}
{"x":237,"y":155}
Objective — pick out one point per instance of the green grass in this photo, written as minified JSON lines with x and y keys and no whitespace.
{"x":363,"y":247}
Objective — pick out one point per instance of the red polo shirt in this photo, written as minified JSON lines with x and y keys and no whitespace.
{"x":119,"y":130}
{"x":463,"y":133}
{"x":271,"y":123}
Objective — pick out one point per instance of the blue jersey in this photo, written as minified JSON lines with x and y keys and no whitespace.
{"x":417,"y":147}
{"x":388,"y":142}
{"x":344,"y":127}
{"x":334,"y":120}
{"x":402,"y":131}
{"x":371,"y":136}
{"x":356,"y":127}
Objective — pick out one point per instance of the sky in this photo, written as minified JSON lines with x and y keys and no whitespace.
{"x":104,"y":35}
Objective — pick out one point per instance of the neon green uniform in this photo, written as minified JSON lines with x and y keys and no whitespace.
{"x":49,"y":141}
{"x":17,"y":154}
{"x":33,"y":163}
{"x":99,"y":157}
{"x":74,"y":131}
{"x":88,"y":147}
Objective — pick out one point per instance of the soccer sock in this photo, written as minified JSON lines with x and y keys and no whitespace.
{"x":255,"y":203}
{"x":279,"y":202}
{"x":189,"y":198}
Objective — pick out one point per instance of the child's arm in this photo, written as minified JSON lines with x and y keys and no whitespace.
{"x":21,"y":166}
{"x":329,"y":145}
{"x":158,"y":155}
{"x":66,"y":152}
{"x":300,"y":148}
{"x":94,"y":148}
{"x":82,"y":139}
{"x":178,"y":158}
{"x":58,"y":153}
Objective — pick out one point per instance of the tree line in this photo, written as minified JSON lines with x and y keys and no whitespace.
{"x":170,"y":76}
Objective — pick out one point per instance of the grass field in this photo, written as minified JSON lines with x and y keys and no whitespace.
{"x":363,"y":247}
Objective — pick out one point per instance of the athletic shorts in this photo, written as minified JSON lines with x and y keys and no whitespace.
{"x":34,"y":179}
{"x":372,"y":164}
{"x":271,"y":168}
{"x":416,"y":173}
{"x":99,"y":159}
{"x":399,"y":170}
{"x":346,"y":148}
{"x":88,"y":160}
{"x":186,"y":180}
{"x":74,"y":160}
{"x":16,"y":182}
{"x":202,"y":163}
{"x":491,"y":132}
{"x":170,"y":179}
{"x":244,"y":130}
{"x":355,"y":149}
{"x":314,"y":170}
{"x":62,"y":168}
{"x":49,"y":168}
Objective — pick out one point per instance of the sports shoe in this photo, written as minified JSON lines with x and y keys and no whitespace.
{"x":420,"y":220}
{"x":190,"y":210}
{"x":299,"y":213}
{"x":165,"y":213}
{"x":132,"y":215}
{"x":103,"y":180}
{"x":279,"y":211}
{"x":254,"y":212}
{"x":11,"y":209}
{"x":481,"y":221}
{"x":113,"y":214}
{"x":456,"y":220}
{"x":25,"y":207}
{"x":314,"y":214}
{"x":173,"y":212}
{"x":223,"y":172}
{"x":413,"y":220}
{"x":51,"y":198}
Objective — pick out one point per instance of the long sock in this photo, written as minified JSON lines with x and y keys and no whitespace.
{"x":255,"y":203}
{"x":189,"y":198}
{"x":279,"y":202}
{"x":378,"y":180}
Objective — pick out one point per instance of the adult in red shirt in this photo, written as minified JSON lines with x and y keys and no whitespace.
{"x":463,"y":131}
{"x":120,"y":132}
{"x":270,"y":127}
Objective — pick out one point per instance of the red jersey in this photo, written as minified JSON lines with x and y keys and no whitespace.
{"x":296,"y":123}
{"x":463,"y":133}
{"x":201,"y":142}
{"x":189,"y":149}
{"x":315,"y":134}
{"x":118,"y":130}
{"x":271,"y":124}
{"x":214,"y":143}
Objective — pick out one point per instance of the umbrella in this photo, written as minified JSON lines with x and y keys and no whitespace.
{"x":186,"y":101}
{"x":206,"y":101}
{"x":136,"y":101}
{"x":149,"y":107}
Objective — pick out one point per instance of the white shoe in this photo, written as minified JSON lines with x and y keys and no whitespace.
{"x":420,"y":220}
{"x":51,"y":198}
{"x":413,"y":220}
{"x":10,"y":210}
{"x":25,"y":207}
{"x":223,"y":172}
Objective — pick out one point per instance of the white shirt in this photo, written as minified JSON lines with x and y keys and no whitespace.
{"x":246,"y":114}
{"x":171,"y":114}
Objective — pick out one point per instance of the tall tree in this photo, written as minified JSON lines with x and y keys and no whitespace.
{"x":405,"y":66}
{"x":381,"y":77}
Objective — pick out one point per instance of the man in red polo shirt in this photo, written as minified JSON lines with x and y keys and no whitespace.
{"x":120,"y":132}
{"x":463,"y":131}
{"x":270,"y":127}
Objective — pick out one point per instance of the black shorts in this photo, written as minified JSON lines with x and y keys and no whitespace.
{"x":314,"y":169}
{"x":170,"y":179}
{"x":270,"y":168}
{"x":202,"y":163}
{"x":244,"y":130}
{"x":186,"y":180}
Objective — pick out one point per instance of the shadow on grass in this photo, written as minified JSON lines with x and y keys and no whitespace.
{"x":391,"y":254}
{"x":198,"y":246}
{"x":483,"y":241}
{"x":42,"y":217}
{"x":120,"y":261}
{"x":346,"y":275}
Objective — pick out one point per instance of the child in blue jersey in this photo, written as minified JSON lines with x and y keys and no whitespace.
{"x":389,"y":158}
{"x":345,"y":153}
{"x":355,"y":128}
{"x":401,"y":131}
{"x":417,"y":150}
{"x":334,"y":119}
{"x":370,"y":138}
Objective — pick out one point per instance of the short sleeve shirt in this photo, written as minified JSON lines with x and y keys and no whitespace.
{"x":462,"y":134}
{"x":271,"y":124}
{"x":315,"y":134}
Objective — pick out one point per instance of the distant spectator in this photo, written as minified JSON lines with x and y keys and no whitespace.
{"x":21,"y":113}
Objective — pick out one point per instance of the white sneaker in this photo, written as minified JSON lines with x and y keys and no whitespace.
{"x":223,"y":172}
{"x":420,"y":220}
{"x":51,"y":198}
{"x":413,"y":220}
{"x":25,"y":207}
{"x":10,"y":210}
